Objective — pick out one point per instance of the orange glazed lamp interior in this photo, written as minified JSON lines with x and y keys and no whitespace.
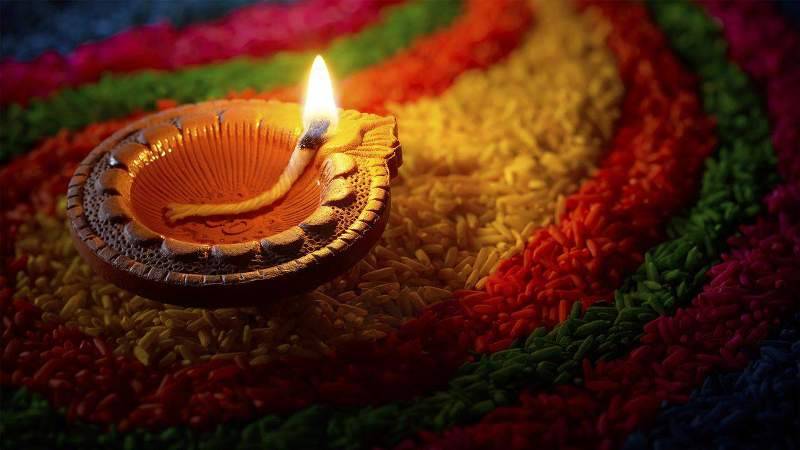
{"x":120,"y":201}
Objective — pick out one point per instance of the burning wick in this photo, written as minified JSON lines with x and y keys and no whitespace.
{"x":319,"y":116}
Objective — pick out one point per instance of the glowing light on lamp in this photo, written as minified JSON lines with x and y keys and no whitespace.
{"x":319,"y":102}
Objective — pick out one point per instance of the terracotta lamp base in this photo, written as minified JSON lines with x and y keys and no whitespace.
{"x":225,"y":152}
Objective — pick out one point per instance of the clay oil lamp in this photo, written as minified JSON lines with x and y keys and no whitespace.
{"x":235,"y":202}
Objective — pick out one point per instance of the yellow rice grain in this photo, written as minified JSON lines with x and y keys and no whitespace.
{"x":142,"y":355}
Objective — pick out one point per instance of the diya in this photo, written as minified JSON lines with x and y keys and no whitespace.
{"x":235,"y":202}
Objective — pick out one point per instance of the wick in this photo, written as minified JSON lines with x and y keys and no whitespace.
{"x":308,"y":144}
{"x":313,"y":137}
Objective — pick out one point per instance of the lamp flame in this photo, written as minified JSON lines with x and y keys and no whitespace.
{"x":320,"y":104}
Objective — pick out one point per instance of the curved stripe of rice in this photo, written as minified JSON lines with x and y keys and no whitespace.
{"x":492,"y":156}
{"x":485,"y":164}
{"x":255,"y":30}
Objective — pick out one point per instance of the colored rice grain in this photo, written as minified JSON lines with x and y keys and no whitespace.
{"x":758,"y":407}
{"x":254,"y":31}
{"x":266,"y":431}
{"x":752,"y":408}
{"x":351,"y":383}
{"x":499,"y":30}
{"x":29,"y":179}
{"x":116,"y":96}
{"x":748,"y":293}
{"x":354,"y":384}
{"x":424,"y":254}
{"x":765,"y":44}
{"x":44,"y":27}
{"x":483,"y":35}
{"x":602,"y":231}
